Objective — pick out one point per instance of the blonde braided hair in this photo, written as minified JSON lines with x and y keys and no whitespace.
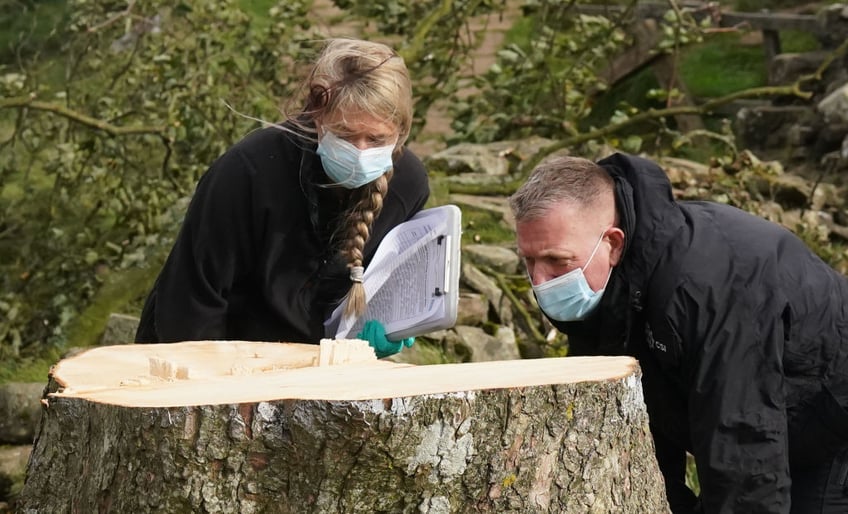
{"x":353,"y":76}
{"x":357,"y":229}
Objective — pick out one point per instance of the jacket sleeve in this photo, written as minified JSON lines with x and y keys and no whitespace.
{"x":737,"y":415}
{"x":190,"y":296}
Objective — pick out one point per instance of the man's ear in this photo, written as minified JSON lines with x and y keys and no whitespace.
{"x":615,"y":236}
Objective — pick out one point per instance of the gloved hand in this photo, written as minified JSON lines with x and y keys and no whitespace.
{"x":375,"y":333}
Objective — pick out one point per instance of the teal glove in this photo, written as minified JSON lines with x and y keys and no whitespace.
{"x":375,"y":333}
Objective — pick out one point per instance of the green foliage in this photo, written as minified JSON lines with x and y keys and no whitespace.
{"x":99,"y":160}
{"x":692,"y":481}
{"x":553,"y":61}
{"x":258,"y":11}
{"x":82,"y":202}
{"x":633,"y":90}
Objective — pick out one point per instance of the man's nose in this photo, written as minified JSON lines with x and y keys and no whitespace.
{"x":538,"y":275}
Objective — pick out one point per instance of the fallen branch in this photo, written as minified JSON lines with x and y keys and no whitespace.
{"x":123,"y":14}
{"x":29,"y":102}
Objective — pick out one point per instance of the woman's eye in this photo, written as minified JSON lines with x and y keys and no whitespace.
{"x":378,"y":140}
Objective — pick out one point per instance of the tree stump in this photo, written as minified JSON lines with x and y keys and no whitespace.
{"x":256,"y":427}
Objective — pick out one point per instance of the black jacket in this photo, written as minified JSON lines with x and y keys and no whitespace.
{"x":742,"y":335}
{"x":254,"y":258}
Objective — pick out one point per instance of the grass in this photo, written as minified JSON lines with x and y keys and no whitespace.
{"x":721,"y":66}
{"x":797,"y":41}
{"x":725,"y":63}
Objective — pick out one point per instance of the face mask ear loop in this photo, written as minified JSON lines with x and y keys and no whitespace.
{"x":607,"y":281}
{"x":594,"y":250}
{"x":597,"y":245}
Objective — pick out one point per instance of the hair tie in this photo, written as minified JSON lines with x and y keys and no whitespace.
{"x":356,"y":273}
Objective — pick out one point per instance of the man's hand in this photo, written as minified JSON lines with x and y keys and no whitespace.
{"x":375,"y":333}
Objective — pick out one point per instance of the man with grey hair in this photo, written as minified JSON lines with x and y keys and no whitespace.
{"x":741,"y":331}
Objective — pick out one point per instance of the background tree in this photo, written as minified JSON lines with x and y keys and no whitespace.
{"x":102,"y":140}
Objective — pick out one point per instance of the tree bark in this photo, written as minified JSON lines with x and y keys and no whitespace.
{"x":565,"y":435}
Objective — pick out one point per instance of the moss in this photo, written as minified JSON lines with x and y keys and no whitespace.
{"x":120,"y":293}
{"x":486,"y":227}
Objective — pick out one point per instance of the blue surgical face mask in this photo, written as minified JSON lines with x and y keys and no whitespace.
{"x":568,"y":297}
{"x":350,"y":167}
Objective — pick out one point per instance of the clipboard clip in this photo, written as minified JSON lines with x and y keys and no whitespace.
{"x":440,"y":291}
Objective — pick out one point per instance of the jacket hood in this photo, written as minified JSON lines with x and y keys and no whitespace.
{"x":648,"y":213}
{"x":651,"y":220}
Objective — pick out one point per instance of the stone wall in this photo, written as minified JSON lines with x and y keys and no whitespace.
{"x":811,"y":133}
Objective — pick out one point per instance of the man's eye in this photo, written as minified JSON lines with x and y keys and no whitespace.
{"x":561,"y":262}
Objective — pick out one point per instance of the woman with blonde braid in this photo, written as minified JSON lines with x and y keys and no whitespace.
{"x":283,"y":224}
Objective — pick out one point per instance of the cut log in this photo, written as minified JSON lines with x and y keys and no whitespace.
{"x":258,"y":427}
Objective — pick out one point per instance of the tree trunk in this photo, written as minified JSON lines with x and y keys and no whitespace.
{"x":255,"y":427}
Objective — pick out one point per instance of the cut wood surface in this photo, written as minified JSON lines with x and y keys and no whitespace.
{"x":239,"y":427}
{"x":238,"y":372}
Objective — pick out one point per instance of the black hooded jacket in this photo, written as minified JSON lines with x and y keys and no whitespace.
{"x":255,"y":258}
{"x":742,"y":336}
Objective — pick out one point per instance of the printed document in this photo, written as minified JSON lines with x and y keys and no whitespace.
{"x":412,"y":283}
